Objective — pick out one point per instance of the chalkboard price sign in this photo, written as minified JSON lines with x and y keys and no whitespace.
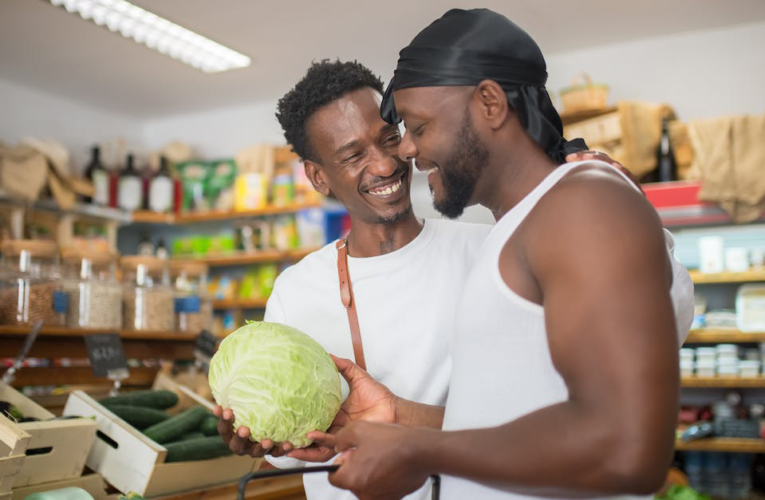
{"x":106,"y":354}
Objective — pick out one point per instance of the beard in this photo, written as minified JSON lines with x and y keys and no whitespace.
{"x":462,"y":170}
{"x":390,"y":218}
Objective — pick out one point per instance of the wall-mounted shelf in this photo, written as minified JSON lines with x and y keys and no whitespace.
{"x":192,"y":218}
{"x":700,"y":278}
{"x":723,"y":336}
{"x":239,"y":304}
{"x":243,"y":258}
{"x":729,"y":445}
{"x":723,"y":382}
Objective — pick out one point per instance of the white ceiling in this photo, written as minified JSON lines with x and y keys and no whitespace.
{"x":46,"y":48}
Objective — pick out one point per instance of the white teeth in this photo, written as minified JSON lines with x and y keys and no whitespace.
{"x":386,"y":190}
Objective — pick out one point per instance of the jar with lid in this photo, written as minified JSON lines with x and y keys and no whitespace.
{"x":148,"y":296}
{"x":95,"y":295}
{"x":193,"y":305}
{"x":31,"y":284}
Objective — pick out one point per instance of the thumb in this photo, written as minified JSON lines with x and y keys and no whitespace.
{"x":350,"y":371}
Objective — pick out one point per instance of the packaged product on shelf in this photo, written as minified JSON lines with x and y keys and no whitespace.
{"x":285,"y":236}
{"x":148,"y":296}
{"x":223,"y":288}
{"x":194,"y":176}
{"x":750,"y":308}
{"x":220,"y":184}
{"x":250,"y":191}
{"x":95,"y":295}
{"x":193,"y":305}
{"x":283,"y":188}
{"x":249,"y":286}
{"x":304,"y":191}
{"x":222,"y":243}
{"x":267,"y":277}
{"x":182,"y":247}
{"x":31,"y":284}
{"x":310,"y":227}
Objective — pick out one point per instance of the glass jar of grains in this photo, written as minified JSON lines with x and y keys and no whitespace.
{"x":32,"y":284}
{"x":95,"y":295}
{"x":193,"y":305}
{"x":148,"y":296}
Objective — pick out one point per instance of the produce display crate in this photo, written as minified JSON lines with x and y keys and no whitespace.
{"x":130,"y":461}
{"x":57,"y":449}
{"x":92,"y":483}
{"x":13,"y":446}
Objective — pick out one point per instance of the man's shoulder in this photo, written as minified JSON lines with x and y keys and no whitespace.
{"x":309,"y":266}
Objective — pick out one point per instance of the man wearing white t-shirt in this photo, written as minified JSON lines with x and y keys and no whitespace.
{"x":407,"y":275}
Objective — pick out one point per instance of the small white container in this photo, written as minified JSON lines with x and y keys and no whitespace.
{"x":686,"y":368}
{"x":705,"y":368}
{"x":707,"y":354}
{"x":728,"y":371}
{"x":750,"y":308}
{"x":687,"y":354}
{"x":727,"y":350}
{"x":711,"y":254}
{"x":749,"y":368}
{"x":737,"y":260}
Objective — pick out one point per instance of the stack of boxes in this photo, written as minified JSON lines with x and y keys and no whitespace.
{"x":722,"y":361}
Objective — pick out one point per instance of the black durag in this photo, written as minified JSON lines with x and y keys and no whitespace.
{"x":465,"y":47}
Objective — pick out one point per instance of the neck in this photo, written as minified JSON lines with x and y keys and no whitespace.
{"x":371,"y":240}
{"x":512,"y":173}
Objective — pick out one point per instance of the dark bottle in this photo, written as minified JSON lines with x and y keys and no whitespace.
{"x":161,"y":250}
{"x":97,"y":174}
{"x":161,"y":189}
{"x":145,"y":246}
{"x":665,"y":158}
{"x":130,"y":188}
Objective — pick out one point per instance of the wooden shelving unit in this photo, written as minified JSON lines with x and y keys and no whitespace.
{"x":700,"y":278}
{"x":57,"y":343}
{"x":239,"y":304}
{"x":723,"y":336}
{"x":242,"y":258}
{"x":723,"y":382}
{"x":729,"y":445}
{"x":192,"y":218}
{"x":278,"y":488}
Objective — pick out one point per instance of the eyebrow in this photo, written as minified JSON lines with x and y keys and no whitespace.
{"x":345,"y":147}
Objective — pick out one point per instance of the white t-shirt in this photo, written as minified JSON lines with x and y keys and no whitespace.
{"x":405,"y":302}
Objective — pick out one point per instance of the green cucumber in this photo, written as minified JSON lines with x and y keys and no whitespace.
{"x":197,"y":449}
{"x":138,"y":416}
{"x":209,"y":426}
{"x":160,"y":400}
{"x":192,"y":435}
{"x":175,"y":427}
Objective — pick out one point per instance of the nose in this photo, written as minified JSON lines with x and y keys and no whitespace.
{"x":406,"y":148}
{"x":383,"y":164}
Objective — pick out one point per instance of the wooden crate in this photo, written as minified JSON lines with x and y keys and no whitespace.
{"x":65,"y":443}
{"x":92,"y":483}
{"x":13,"y":446}
{"x":130,"y":461}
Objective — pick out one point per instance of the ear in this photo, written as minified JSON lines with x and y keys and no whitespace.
{"x":316,"y":175}
{"x":492,"y":103}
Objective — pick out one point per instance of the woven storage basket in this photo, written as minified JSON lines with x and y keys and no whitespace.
{"x":583,"y":95}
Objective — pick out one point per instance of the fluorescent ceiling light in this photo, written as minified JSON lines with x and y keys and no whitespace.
{"x":157,"y":33}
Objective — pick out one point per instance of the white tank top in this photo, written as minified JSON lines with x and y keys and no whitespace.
{"x":502,"y":368}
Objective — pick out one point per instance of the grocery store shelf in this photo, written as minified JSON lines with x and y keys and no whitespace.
{"x":242,"y":258}
{"x":277,"y":488}
{"x":79,"y":375}
{"x":720,"y":336}
{"x":81,"y":209}
{"x":191,"y":218}
{"x":731,"y":445}
{"x":723,"y":382}
{"x":240,"y":304}
{"x":56,"y":331}
{"x":727,"y":277}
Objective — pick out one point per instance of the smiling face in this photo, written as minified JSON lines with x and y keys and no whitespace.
{"x":357,"y":159}
{"x":441,"y":138}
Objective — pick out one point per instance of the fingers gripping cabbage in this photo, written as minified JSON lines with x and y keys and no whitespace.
{"x":279,"y":382}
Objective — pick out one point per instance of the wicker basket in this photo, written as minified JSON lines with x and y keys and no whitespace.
{"x":583,"y":95}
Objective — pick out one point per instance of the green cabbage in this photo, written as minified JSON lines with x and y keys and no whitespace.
{"x":280,"y":383}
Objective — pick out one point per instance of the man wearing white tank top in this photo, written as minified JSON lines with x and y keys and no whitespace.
{"x":565,"y":371}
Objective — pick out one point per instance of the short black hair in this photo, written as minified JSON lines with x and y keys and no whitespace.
{"x":324,"y":82}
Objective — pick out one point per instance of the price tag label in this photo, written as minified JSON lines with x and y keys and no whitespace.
{"x":205,"y":347}
{"x":107,"y":357}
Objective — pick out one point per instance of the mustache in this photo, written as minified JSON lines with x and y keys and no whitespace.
{"x":377,"y":181}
